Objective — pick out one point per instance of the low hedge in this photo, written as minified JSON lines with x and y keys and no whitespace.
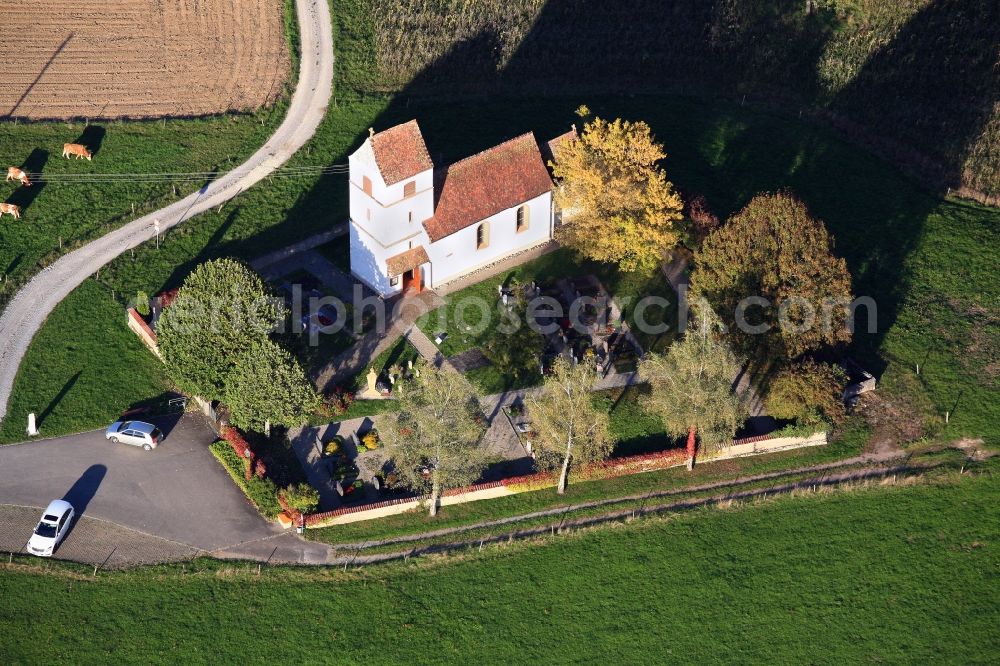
{"x":262,"y":492}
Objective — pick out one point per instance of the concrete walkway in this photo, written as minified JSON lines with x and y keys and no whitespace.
{"x":316,"y":265}
{"x":28,"y":309}
{"x":314,"y":241}
{"x":428,"y":350}
{"x":400,"y":317}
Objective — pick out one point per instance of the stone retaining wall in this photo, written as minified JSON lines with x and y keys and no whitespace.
{"x":749,"y":446}
{"x":142,"y":329}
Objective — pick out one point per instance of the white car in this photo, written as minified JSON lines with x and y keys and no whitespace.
{"x":51,"y":528}
{"x":136,"y":433}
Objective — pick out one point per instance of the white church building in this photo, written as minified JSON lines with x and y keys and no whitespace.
{"x":415,"y":226}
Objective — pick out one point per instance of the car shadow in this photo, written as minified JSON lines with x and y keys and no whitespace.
{"x":166,"y":423}
{"x":80,"y":494}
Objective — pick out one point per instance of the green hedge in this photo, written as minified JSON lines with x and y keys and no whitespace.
{"x":262,"y":492}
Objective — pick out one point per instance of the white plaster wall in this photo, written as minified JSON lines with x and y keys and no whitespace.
{"x":368,"y":257}
{"x":390,"y":211}
{"x":391,"y":229}
{"x":456,"y":255}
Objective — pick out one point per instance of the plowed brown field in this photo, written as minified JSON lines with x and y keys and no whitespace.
{"x":139,"y":58}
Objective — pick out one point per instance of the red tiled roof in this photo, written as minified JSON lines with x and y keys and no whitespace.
{"x":485,"y":184}
{"x":406,"y":260}
{"x":400,"y":152}
{"x":551,"y":147}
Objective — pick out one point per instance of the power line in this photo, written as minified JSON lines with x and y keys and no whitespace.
{"x":185,"y":176}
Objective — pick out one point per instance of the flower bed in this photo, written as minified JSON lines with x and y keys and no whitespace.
{"x":253,"y":465}
{"x":261,"y":491}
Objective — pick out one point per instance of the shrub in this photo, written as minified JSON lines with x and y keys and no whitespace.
{"x":336,"y":403}
{"x":142,"y":303}
{"x":301,"y":497}
{"x":370,"y":440}
{"x":262,"y":492}
{"x":808,"y":392}
{"x":334,"y":446}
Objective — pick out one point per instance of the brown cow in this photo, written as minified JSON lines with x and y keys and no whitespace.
{"x":76,"y":149}
{"x":11,"y":209}
{"x":13,"y":173}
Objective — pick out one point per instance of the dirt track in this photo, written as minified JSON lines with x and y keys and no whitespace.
{"x":140,"y":58}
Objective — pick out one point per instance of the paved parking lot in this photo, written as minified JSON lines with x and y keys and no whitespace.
{"x":178,"y":491}
{"x":91,"y":541}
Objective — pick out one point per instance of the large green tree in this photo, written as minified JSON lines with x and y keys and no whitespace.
{"x":568,"y":426}
{"x":268,"y":386}
{"x":617,"y":204}
{"x":691,"y":389}
{"x":221,"y":310}
{"x":775,"y":250}
{"x":433,"y":440}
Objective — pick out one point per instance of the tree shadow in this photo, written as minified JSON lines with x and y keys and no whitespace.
{"x":212,"y":249}
{"x":23,"y":197}
{"x":92,"y":137}
{"x":67,"y":387}
{"x":940,"y":68}
{"x":84,"y":489}
{"x":14,"y":263}
{"x":45,"y":68}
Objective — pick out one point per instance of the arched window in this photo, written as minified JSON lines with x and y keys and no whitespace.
{"x":523,"y":218}
{"x":410,"y":189}
{"x":482,"y":236}
{"x":366,"y":185}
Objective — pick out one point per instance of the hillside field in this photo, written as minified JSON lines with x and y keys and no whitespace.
{"x":141,"y":58}
{"x":928,"y":262}
{"x":864,"y":66}
{"x":885,"y":574}
{"x":63,"y":214}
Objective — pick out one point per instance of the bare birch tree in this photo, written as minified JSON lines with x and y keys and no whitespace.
{"x":691,"y":389}
{"x":433,"y":440}
{"x":569,"y":427}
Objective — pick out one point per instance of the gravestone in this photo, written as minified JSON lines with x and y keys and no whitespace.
{"x":371,"y":392}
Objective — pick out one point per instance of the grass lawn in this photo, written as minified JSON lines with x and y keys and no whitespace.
{"x":636,"y":430}
{"x":468,"y":325}
{"x":929,"y":263}
{"x":83,"y":369}
{"x":884,"y":574}
{"x":59,"y":216}
{"x":398,"y":354}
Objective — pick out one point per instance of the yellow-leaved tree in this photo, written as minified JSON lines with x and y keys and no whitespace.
{"x":617,"y":204}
